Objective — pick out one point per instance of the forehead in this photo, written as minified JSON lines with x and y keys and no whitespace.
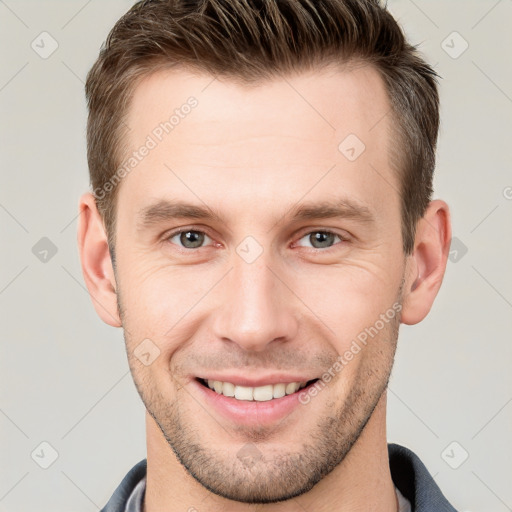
{"x":281,"y":133}
{"x":333,"y":99}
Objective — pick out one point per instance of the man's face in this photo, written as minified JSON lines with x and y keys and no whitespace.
{"x":262,"y":293}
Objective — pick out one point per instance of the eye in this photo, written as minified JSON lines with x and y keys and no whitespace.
{"x":195,"y":239}
{"x":188,"y":238}
{"x":321,"y":239}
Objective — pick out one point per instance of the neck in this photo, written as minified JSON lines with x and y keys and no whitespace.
{"x":362,"y":481}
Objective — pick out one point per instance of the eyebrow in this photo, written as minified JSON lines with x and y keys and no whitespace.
{"x":343,"y":208}
{"x":165,"y":210}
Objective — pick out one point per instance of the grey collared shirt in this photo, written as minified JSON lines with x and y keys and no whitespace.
{"x":135,"y":502}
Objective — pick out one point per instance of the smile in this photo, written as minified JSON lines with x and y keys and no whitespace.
{"x":259,"y":394}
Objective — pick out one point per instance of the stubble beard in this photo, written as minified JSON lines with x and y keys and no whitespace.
{"x":274,"y":477}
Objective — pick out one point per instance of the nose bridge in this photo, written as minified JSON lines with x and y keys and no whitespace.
{"x":256,"y":307}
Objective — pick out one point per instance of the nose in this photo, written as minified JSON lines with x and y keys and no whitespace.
{"x":256,"y":307}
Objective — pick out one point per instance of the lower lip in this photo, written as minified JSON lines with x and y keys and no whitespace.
{"x":246,"y":412}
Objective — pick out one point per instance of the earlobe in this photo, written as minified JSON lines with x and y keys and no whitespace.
{"x":96,"y":262}
{"x":427,"y":264}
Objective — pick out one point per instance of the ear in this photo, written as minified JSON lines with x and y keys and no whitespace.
{"x":96,"y":261}
{"x":426,"y":266}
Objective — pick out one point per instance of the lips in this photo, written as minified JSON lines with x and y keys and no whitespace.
{"x":249,"y":412}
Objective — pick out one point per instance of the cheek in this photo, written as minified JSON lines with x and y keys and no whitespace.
{"x":348,"y":298}
{"x":157,"y":291}
{"x":165,"y":304}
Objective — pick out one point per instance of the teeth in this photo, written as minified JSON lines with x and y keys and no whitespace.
{"x":279,"y":390}
{"x":228,"y":389}
{"x":259,"y":394}
{"x":241,"y":392}
{"x":292,"y":387}
{"x":263,"y":393}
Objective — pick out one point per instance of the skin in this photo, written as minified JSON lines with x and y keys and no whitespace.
{"x":252,"y":154}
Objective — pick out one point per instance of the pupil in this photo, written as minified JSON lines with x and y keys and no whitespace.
{"x":321,"y":239}
{"x":191,"y":239}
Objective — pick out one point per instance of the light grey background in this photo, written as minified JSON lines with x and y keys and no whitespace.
{"x":64,"y":375}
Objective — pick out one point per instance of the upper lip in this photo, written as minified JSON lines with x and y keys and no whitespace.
{"x":241,"y":380}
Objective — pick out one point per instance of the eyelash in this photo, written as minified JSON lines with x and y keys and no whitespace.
{"x":169,"y":236}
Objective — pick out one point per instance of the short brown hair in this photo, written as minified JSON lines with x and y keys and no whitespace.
{"x":249,"y":41}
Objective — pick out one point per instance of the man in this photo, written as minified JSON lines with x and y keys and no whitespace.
{"x":260,"y":224}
